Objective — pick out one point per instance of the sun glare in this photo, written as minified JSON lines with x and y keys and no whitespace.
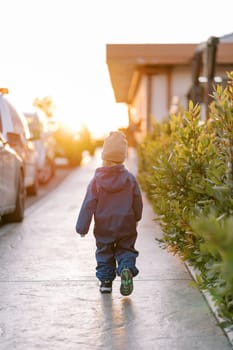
{"x":98,"y":117}
{"x":111,"y":117}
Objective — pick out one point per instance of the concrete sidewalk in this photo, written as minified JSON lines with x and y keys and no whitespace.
{"x":50,"y":299}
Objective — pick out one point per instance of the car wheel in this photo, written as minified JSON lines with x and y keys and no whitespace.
{"x":18,"y":214}
{"x":47,"y":172}
{"x":75,"y":160}
{"x":33,"y":189}
{"x":91,"y":150}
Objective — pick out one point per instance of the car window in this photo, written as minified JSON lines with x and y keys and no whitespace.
{"x":37,"y":122}
{"x":0,"y":121}
{"x":1,"y":115}
{"x":44,"y":122}
{"x":19,"y":125}
{"x":6,"y":121}
{"x":34,"y":123}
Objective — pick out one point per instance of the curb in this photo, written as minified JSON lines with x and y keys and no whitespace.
{"x":210,"y":302}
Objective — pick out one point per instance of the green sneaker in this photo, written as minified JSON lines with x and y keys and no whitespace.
{"x":106,"y":287}
{"x":126,"y":282}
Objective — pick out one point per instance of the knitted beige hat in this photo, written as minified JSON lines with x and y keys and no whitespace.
{"x":115,"y":147}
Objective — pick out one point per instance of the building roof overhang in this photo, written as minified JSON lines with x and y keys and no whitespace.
{"x":126,"y":62}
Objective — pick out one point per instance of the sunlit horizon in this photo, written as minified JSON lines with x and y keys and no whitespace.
{"x":99,"y":125}
{"x":72,"y":107}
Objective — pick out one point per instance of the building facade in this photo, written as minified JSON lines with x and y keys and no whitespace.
{"x":155,"y":79}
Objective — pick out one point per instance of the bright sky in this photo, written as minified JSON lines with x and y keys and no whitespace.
{"x":57,"y":48}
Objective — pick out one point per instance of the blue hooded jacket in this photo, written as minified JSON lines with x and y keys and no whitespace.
{"x":114,"y":198}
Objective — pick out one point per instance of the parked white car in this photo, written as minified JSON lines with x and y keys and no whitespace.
{"x":44,"y":142}
{"x":12,"y":191}
{"x":12,"y":121}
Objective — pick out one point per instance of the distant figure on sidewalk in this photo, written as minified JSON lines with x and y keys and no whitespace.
{"x":114,"y":198}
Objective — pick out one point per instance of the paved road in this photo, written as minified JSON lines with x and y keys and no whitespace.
{"x":49,"y":296}
{"x":62,"y":170}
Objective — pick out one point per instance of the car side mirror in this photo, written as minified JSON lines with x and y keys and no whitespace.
{"x":14,"y":139}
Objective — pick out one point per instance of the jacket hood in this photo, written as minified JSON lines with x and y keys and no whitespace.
{"x":113,"y":178}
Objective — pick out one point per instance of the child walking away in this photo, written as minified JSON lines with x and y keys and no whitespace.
{"x":113,"y":197}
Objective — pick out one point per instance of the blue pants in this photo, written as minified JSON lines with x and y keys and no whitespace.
{"x":115,"y":253}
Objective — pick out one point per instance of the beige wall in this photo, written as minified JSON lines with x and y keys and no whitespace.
{"x":159,"y":92}
{"x":180,"y":84}
{"x":139,"y":110}
{"x":176,"y":83}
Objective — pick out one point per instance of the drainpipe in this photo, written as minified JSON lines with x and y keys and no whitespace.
{"x":210,"y":63}
{"x":148,"y":106}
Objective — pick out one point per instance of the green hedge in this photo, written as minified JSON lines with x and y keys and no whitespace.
{"x":186,"y":168}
